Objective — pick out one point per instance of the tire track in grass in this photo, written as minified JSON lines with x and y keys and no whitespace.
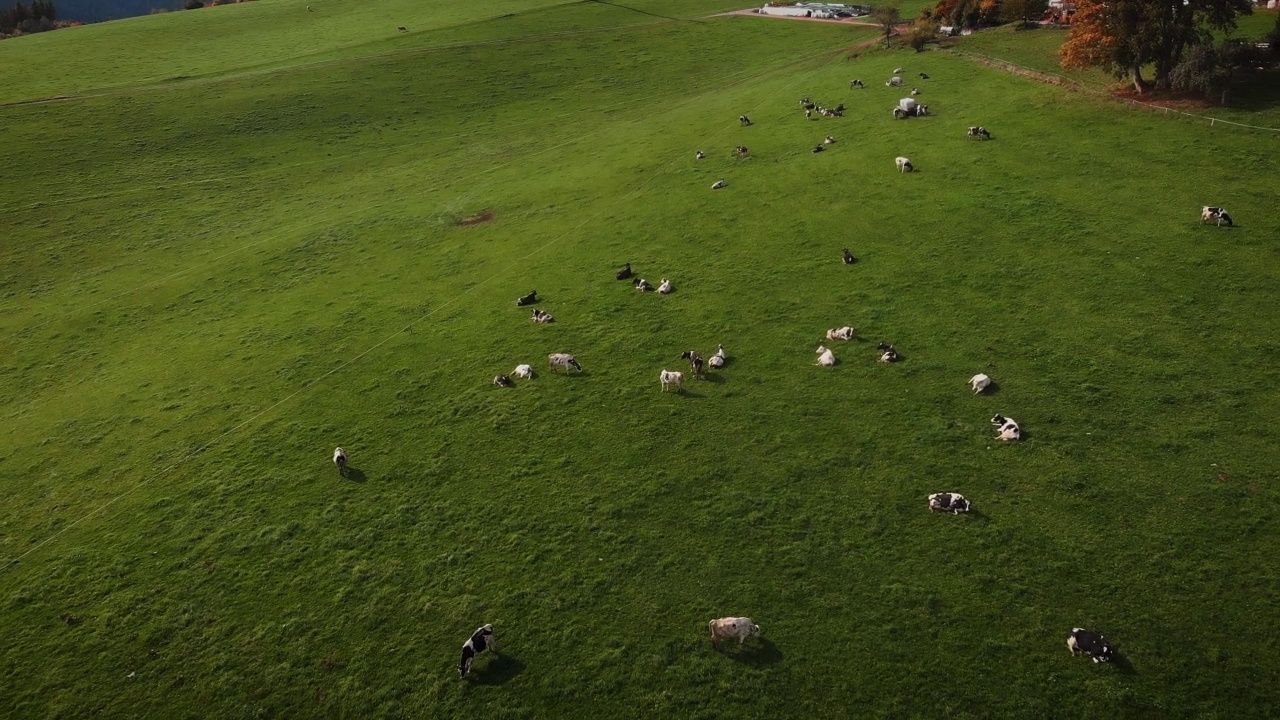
{"x":622,"y":200}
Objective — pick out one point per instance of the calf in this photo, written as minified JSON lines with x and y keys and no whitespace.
{"x":829,"y":140}
{"x":904,"y":165}
{"x":923,"y":76}
{"x":1007,"y":429}
{"x":1091,"y":644}
{"x":340,"y":459}
{"x":826,"y":358}
{"x":482,"y":639}
{"x":732,"y":627}
{"x":740,"y":151}
{"x":542,"y":317}
{"x":524,"y":372}
{"x":887,"y":353}
{"x":744,"y":120}
{"x":695,"y":360}
{"x":844,"y":333}
{"x":979,"y":382}
{"x":665,"y":288}
{"x":625,"y":273}
{"x":529,"y":299}
{"x":642,"y":285}
{"x":915,"y":91}
{"x":1215,"y":213}
{"x":563,"y":360}
{"x":954,"y":503}
{"x":717,"y":361}
{"x":503,"y":381}
{"x":671,"y":379}
{"x":979,"y":133}
{"x":699,"y":155}
{"x":856,"y":84}
{"x":849,"y":259}
{"x":717,"y":185}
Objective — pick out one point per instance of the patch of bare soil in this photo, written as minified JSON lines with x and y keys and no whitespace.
{"x":484,"y":217}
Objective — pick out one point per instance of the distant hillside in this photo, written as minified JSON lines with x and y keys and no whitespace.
{"x":99,"y":10}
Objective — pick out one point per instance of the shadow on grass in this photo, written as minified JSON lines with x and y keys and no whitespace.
{"x":354,"y":474}
{"x":711,"y":377}
{"x":497,"y":671}
{"x":977,"y":515}
{"x":992,"y":389}
{"x":766,"y":653}
{"x":1122,"y":664}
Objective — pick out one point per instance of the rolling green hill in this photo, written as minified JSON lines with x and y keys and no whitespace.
{"x":211,"y":282}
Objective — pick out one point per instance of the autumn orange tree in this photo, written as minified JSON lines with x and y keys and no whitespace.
{"x":1122,"y":36}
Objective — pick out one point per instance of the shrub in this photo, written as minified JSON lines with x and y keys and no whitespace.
{"x":192,"y":5}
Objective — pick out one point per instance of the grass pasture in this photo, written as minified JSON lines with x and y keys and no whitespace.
{"x":207,"y":286}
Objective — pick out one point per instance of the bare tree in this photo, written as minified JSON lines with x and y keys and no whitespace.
{"x":887,"y":16}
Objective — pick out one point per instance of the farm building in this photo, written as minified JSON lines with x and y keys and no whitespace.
{"x":825,"y":11}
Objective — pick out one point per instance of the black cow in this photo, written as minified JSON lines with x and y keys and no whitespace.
{"x":482,"y":639}
{"x":1091,"y":644}
{"x":818,"y":148}
{"x":625,"y":273}
{"x":529,"y":299}
{"x":849,"y":259}
{"x":503,"y":381}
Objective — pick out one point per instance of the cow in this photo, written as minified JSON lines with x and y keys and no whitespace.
{"x":529,"y":299}
{"x":904,"y":165}
{"x":665,"y":287}
{"x":818,"y":148}
{"x":482,"y":639}
{"x":979,"y":133}
{"x":849,"y":259}
{"x":670,"y":379}
{"x":740,"y":151}
{"x":856,"y":84}
{"x":524,"y":372}
{"x":642,"y":285}
{"x":717,"y":185}
{"x":625,"y":273}
{"x":1091,"y":644}
{"x":717,"y":361}
{"x":542,"y":317}
{"x":826,"y":358}
{"x":1007,"y":429}
{"x":1215,"y":213}
{"x":844,"y":333}
{"x":924,"y":76}
{"x":915,"y":91}
{"x":887,"y":353}
{"x":699,"y":155}
{"x":563,"y":360}
{"x":828,"y":140}
{"x":402,"y":29}
{"x":340,"y":459}
{"x":732,"y":627}
{"x":979,"y":382}
{"x":744,"y":120}
{"x":695,"y":360}
{"x":503,"y":381}
{"x":894,"y":82}
{"x":898,"y":71}
{"x":954,"y":503}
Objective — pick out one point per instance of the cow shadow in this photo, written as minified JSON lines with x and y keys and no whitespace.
{"x":992,"y":389}
{"x":354,"y":474}
{"x":498,"y":671}
{"x":756,"y":655}
{"x":1121,"y":663}
{"x":712,"y":377}
{"x":977,"y":515}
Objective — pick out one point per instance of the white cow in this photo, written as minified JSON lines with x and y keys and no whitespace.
{"x":524,"y":372}
{"x":844,"y":333}
{"x":563,"y":360}
{"x":717,"y":361}
{"x":894,"y":82}
{"x":826,"y":358}
{"x":340,"y":459}
{"x":717,"y":185}
{"x":671,"y":379}
{"x":733,"y":627}
{"x":665,"y":288}
{"x":904,"y":165}
{"x":979,"y":382}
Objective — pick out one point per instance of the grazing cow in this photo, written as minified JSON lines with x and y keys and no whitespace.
{"x":563,"y":360}
{"x":849,"y":259}
{"x":829,"y":140}
{"x":524,"y":372}
{"x":894,"y":82}
{"x":665,"y":288}
{"x":744,"y":120}
{"x":482,"y":639}
{"x":699,"y":155}
{"x":503,"y":381}
{"x":695,"y":360}
{"x":904,"y":165}
{"x":717,"y":185}
{"x":923,"y":76}
{"x":625,"y":273}
{"x":403,"y":29}
{"x":642,"y":285}
{"x":1091,"y":644}
{"x":844,"y":333}
{"x":732,"y":627}
{"x":979,"y":132}
{"x":670,"y":379}
{"x":818,"y":148}
{"x":340,"y":459}
{"x":717,"y":361}
{"x":954,"y":503}
{"x":915,"y":91}
{"x":887,"y":353}
{"x":856,"y":84}
{"x":826,"y":358}
{"x":529,"y":299}
{"x":542,"y":317}
{"x":1007,"y":429}
{"x":740,"y":151}
{"x":1215,"y":213}
{"x":979,"y":382}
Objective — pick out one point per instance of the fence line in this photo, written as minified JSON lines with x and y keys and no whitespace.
{"x":1077,"y":85}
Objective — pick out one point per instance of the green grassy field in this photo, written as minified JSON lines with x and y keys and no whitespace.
{"x":209,"y":284}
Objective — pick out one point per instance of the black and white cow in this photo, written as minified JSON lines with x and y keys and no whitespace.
{"x":1007,"y":429}
{"x":482,"y":639}
{"x":849,"y":259}
{"x":503,"y":381}
{"x":340,"y":459}
{"x":1215,"y":213}
{"x":887,"y":353}
{"x":744,"y":120}
{"x":529,"y":299}
{"x":923,"y":76}
{"x":695,"y":360}
{"x":954,"y":503}
{"x":856,"y":84}
{"x":740,"y":151}
{"x":1089,"y":643}
{"x":979,"y":132}
{"x":818,"y":148}
{"x":641,"y":284}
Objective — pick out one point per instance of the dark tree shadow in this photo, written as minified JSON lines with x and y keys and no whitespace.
{"x":497,"y":671}
{"x":753,"y":654}
{"x":354,"y":474}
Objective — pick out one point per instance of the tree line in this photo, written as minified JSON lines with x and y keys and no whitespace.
{"x":37,"y":16}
